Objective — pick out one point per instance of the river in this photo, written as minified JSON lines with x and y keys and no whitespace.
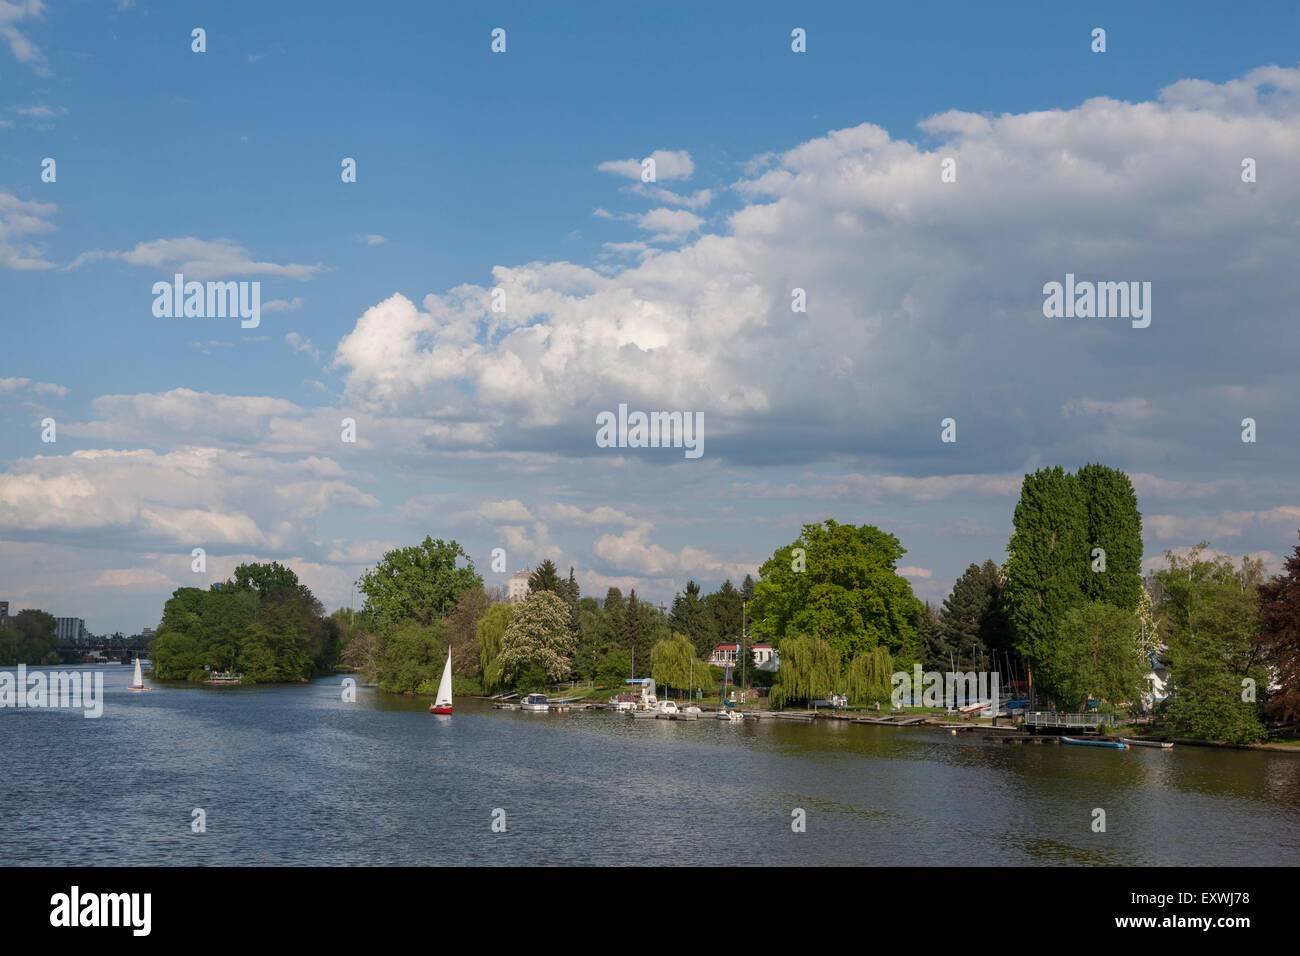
{"x":295,"y":775}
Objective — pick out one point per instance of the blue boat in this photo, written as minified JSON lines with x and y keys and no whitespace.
{"x":1080,"y":742}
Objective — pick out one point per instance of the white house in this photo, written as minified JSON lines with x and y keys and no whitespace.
{"x":517,"y":587}
{"x":764,"y":656}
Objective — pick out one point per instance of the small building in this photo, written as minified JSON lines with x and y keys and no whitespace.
{"x":517,"y":587}
{"x":763,"y":656}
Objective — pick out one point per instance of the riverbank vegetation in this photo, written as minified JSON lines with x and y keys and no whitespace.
{"x":28,"y":637}
{"x":1069,"y":619}
{"x":262,"y":623}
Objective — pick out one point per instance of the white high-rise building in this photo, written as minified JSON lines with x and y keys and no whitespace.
{"x":517,"y":587}
{"x":70,"y":630}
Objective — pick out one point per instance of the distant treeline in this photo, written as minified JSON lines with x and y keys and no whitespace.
{"x":29,"y":638}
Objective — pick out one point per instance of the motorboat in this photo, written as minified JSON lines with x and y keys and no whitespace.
{"x":537,"y":703}
{"x":667,"y":710}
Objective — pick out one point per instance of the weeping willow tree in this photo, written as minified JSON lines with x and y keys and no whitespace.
{"x":810,"y":668}
{"x":491,"y":627}
{"x":673,"y":664}
{"x":868,"y":676}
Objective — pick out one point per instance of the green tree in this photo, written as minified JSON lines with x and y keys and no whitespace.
{"x":614,"y":667}
{"x":29,"y":639}
{"x":1209,"y":614}
{"x":974,"y":620}
{"x":726,"y":604}
{"x":810,"y":669}
{"x":1098,"y":655}
{"x":636,"y":631}
{"x":935,"y":651}
{"x":673,"y":664}
{"x":837,"y":582}
{"x":491,"y":630}
{"x":1047,"y":559}
{"x":411,"y":658}
{"x":868,"y":678}
{"x":420,"y":584}
{"x":1114,"y":526}
{"x":694,"y":618}
{"x":546,"y":578}
{"x":538,"y":637}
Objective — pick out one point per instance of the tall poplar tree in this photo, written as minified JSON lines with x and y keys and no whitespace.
{"x":1047,"y":558}
{"x":1115,"y":526}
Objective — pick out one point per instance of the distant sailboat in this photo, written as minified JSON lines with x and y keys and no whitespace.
{"x":442,"y":703}
{"x":137,"y":682}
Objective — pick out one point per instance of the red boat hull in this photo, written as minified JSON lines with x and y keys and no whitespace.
{"x":446,"y":711}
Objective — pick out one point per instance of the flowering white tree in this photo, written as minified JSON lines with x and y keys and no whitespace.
{"x":538,"y":637}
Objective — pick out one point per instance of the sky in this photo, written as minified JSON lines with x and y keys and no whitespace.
{"x":519,"y":173}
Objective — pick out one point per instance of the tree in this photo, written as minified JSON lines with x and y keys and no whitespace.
{"x":29,"y":639}
{"x":268,"y":580}
{"x":869,"y":677}
{"x":1098,"y":655}
{"x":460,"y":628}
{"x":1115,"y":526}
{"x":262,"y":622}
{"x":694,"y":618}
{"x":974,"y":621}
{"x":673,"y":664}
{"x":810,"y":669}
{"x":411,"y":658}
{"x":491,"y":629}
{"x":538,"y":638}
{"x":727,"y":606}
{"x":837,"y":582}
{"x":636,"y":626}
{"x":747,"y":588}
{"x":420,"y":584}
{"x":932,"y":640}
{"x":546,"y":578}
{"x":1279,"y":636}
{"x":1047,"y":558}
{"x":1209,"y":614}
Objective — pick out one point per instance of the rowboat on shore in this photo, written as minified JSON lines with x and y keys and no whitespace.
{"x":1081,"y":742}
{"x":1161,"y":744}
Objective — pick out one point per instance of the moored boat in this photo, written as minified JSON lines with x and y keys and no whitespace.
{"x":667,"y":710}
{"x":536,"y":703}
{"x":1160,"y":744}
{"x":1083,"y":742}
{"x":442,"y":703}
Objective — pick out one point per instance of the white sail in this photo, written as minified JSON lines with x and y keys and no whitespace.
{"x":444,"y":688}
{"x":138,"y":680}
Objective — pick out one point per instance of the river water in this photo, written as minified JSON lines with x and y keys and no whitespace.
{"x":294,"y":775}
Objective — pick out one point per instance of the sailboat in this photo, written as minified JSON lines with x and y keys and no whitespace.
{"x":442,"y":703}
{"x":137,"y":681}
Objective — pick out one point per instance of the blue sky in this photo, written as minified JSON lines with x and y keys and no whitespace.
{"x":183,"y":433}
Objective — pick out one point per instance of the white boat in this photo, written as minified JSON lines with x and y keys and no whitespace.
{"x":1160,"y":744}
{"x":730,"y":715}
{"x":442,"y":703}
{"x":667,"y":710}
{"x":537,"y":703}
{"x":137,"y":681}
{"x":690,"y":713}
